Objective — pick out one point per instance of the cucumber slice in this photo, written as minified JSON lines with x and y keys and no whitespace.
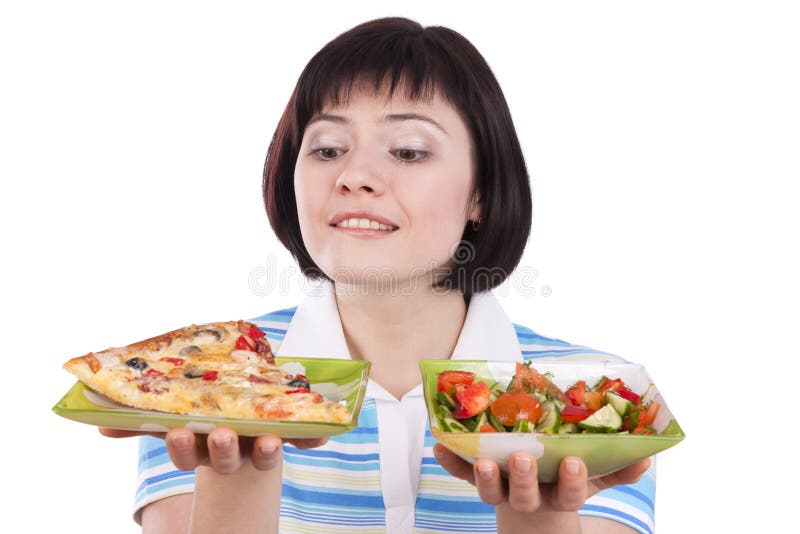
{"x":523,"y":426}
{"x":475,"y":423}
{"x":568,"y":428}
{"x":539,"y":395}
{"x":446,"y":400}
{"x":606,"y":419}
{"x":550,"y":419}
{"x":453,"y":425}
{"x":494,"y":421}
{"x":621,"y":405}
{"x":496,"y":390}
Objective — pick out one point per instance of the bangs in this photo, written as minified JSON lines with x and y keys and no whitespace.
{"x":408,"y":64}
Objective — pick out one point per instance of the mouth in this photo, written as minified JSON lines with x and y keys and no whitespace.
{"x":364,"y":225}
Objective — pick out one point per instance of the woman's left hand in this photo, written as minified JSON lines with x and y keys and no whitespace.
{"x":522,"y":492}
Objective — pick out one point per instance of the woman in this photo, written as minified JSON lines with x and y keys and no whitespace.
{"x":407,"y":130}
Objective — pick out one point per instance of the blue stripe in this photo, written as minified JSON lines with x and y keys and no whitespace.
{"x":164,"y":476}
{"x":610,"y":511}
{"x":453,"y":505}
{"x":152,"y":490}
{"x":339,"y":509}
{"x":152,"y":453}
{"x":317,"y":453}
{"x":350,"y":519}
{"x":333,"y":497}
{"x":360,"y":466}
{"x":272,"y":330}
{"x":635,"y":493}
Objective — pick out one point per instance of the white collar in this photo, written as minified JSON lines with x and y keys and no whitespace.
{"x":315,"y":331}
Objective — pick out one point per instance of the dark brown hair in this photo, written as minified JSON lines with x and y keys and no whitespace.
{"x":424,"y":61}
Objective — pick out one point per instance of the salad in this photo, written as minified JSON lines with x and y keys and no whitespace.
{"x":531,"y":402}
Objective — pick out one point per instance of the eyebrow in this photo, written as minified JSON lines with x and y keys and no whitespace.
{"x":397,"y":117}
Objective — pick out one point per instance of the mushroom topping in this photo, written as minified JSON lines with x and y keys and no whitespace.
{"x":190,"y":350}
{"x":137,"y":363}
{"x":193,"y":372}
{"x":210,"y":330}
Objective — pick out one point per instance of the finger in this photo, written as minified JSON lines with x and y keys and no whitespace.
{"x":182,"y":448}
{"x":223,"y":451}
{"x":523,"y":486}
{"x":266,"y":453}
{"x":453,"y":464}
{"x":627,"y":475}
{"x":118,"y":433}
{"x":572,"y":489}
{"x":488,"y":482}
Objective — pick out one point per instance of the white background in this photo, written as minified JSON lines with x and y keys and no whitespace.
{"x":662,"y":142}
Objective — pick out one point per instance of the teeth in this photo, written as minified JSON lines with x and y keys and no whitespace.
{"x":366,"y":224}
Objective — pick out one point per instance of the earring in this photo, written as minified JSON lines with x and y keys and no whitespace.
{"x":476,"y":226}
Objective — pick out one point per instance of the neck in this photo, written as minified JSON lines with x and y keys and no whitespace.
{"x":395,"y":330}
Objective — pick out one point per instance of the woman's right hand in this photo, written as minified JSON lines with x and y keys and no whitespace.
{"x":222,"y":449}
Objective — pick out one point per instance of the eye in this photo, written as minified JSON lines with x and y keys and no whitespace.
{"x":327,"y":154}
{"x":409,"y":155}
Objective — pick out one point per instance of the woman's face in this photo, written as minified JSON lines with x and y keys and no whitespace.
{"x":404,"y":162}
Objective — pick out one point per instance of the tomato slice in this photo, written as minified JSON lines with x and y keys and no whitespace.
{"x":255,"y":332}
{"x":487,"y":428}
{"x":577,"y":393}
{"x":630,"y":395}
{"x":516,"y":406}
{"x":616,"y":385}
{"x":455,"y":380}
{"x":527,"y":379}
{"x":471,"y":400}
{"x":651,"y":413}
{"x":594,"y":400}
{"x":574,"y":414}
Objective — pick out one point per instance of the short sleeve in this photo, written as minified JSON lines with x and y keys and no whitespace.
{"x":632,"y":504}
{"x":158,"y":476}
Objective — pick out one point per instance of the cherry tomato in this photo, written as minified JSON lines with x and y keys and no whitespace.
{"x":574,"y":414}
{"x":455,"y":380}
{"x":472,"y":400}
{"x":576,"y":393}
{"x":516,"y":406}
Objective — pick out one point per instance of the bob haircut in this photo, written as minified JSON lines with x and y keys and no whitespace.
{"x":425,"y":62}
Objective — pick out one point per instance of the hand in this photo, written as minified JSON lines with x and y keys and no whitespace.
{"x":523,"y":493}
{"x":222,"y":449}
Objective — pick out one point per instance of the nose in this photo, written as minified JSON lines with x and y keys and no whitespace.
{"x":360,"y":174}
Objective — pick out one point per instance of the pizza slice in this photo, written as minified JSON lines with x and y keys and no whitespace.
{"x":224,"y":369}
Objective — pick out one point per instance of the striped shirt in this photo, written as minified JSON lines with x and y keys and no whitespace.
{"x":382,"y":476}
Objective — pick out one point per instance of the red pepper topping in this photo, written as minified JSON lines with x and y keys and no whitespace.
{"x":210,"y":375}
{"x":298,"y":390}
{"x":174,"y":361}
{"x":255,"y":379}
{"x":153,"y":372}
{"x":243,"y":344}
{"x":255,"y":332}
{"x":629,"y":395}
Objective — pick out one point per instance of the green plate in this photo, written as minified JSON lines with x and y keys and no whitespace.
{"x":602,"y":453}
{"x":336,"y":380}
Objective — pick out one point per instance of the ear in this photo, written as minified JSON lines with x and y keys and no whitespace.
{"x":477,"y":208}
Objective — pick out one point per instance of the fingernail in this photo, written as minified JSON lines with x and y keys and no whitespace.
{"x":180,"y":442}
{"x":522,"y":464}
{"x":223,"y":443}
{"x":485,"y":472}
{"x":572,"y":467}
{"x":267,"y":449}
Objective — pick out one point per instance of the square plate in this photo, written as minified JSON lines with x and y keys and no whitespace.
{"x":334,"y":379}
{"x":602,"y":453}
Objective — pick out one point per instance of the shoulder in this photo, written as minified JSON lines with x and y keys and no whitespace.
{"x":537,"y":346}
